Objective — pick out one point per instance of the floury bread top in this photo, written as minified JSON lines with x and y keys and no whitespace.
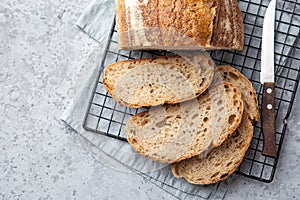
{"x":180,"y":24}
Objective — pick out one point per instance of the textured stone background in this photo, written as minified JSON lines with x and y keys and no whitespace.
{"x":41,"y":51}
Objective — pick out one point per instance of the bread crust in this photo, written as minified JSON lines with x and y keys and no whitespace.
{"x":228,"y":30}
{"x":181,"y":24}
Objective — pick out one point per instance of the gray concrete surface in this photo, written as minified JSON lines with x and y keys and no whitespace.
{"x":41,"y":51}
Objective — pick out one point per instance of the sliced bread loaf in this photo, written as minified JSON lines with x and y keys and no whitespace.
{"x":171,"y":133}
{"x":221,"y":161}
{"x":233,"y":76}
{"x":179,"y":24}
{"x":156,"y":81}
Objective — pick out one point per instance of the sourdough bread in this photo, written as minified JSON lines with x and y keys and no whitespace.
{"x":221,"y":161}
{"x":179,"y":24}
{"x":156,"y":81}
{"x":171,"y":133}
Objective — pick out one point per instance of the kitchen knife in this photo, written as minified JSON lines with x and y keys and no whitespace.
{"x":267,"y":79}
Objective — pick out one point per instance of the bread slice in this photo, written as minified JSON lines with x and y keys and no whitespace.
{"x":221,"y":161}
{"x":172,"y":133}
{"x":156,"y":81}
{"x":179,"y":24}
{"x":233,"y":76}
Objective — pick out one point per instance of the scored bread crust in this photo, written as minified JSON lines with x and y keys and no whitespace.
{"x":221,"y":161}
{"x":172,"y":24}
{"x":156,"y":81}
{"x":228,"y":26}
{"x":249,"y":97}
{"x":172,"y":133}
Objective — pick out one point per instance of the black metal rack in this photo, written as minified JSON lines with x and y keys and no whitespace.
{"x":105,"y":116}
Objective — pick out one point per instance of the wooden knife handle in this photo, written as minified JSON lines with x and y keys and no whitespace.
{"x":268,"y":120}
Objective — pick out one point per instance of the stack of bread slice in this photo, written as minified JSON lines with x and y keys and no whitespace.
{"x":202,"y":117}
{"x":223,"y":160}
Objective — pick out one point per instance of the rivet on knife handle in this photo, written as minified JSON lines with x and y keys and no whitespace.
{"x":268,"y":120}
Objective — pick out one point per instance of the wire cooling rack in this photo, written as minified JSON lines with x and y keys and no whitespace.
{"x":105,"y":116}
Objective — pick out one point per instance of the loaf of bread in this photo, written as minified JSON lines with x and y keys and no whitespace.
{"x":233,"y":76}
{"x":179,"y":24}
{"x":156,"y":81}
{"x":172,"y":133}
{"x":221,"y":161}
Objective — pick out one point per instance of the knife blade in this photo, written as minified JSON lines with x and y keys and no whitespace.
{"x":267,"y":79}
